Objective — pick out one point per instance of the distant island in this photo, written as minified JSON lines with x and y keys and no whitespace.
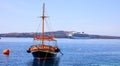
{"x":57,"y":34}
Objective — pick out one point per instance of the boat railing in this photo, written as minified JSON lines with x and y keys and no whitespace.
{"x":47,"y":38}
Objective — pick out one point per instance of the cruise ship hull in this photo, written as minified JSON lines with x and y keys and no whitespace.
{"x":73,"y":37}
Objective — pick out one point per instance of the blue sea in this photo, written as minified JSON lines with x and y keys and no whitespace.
{"x":77,"y":52}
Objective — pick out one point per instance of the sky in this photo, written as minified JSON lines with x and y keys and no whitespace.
{"x":101,"y":17}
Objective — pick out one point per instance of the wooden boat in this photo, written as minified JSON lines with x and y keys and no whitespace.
{"x":43,"y":50}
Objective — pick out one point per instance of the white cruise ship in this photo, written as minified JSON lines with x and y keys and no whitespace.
{"x":78,"y":35}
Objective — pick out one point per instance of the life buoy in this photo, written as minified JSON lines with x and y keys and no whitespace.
{"x":6,"y":51}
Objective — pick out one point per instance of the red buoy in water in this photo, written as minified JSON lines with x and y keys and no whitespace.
{"x":6,"y":51}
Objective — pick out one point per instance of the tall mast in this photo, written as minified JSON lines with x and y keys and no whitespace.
{"x":43,"y":17}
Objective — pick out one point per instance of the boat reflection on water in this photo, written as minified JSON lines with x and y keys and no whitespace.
{"x":47,"y":62}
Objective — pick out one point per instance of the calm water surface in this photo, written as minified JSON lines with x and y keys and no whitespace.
{"x":88,"y":52}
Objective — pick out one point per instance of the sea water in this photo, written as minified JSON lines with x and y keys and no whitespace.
{"x":77,"y":52}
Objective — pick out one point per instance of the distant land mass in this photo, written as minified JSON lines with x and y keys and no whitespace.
{"x":56,"y":34}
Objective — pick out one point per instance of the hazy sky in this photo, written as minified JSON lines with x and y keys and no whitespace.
{"x":91,"y":16}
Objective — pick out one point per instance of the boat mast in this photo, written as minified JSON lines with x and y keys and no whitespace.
{"x":43,"y":17}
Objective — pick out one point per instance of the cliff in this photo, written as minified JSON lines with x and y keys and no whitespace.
{"x":56,"y":34}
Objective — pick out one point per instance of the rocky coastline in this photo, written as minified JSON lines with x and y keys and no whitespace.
{"x":56,"y":34}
